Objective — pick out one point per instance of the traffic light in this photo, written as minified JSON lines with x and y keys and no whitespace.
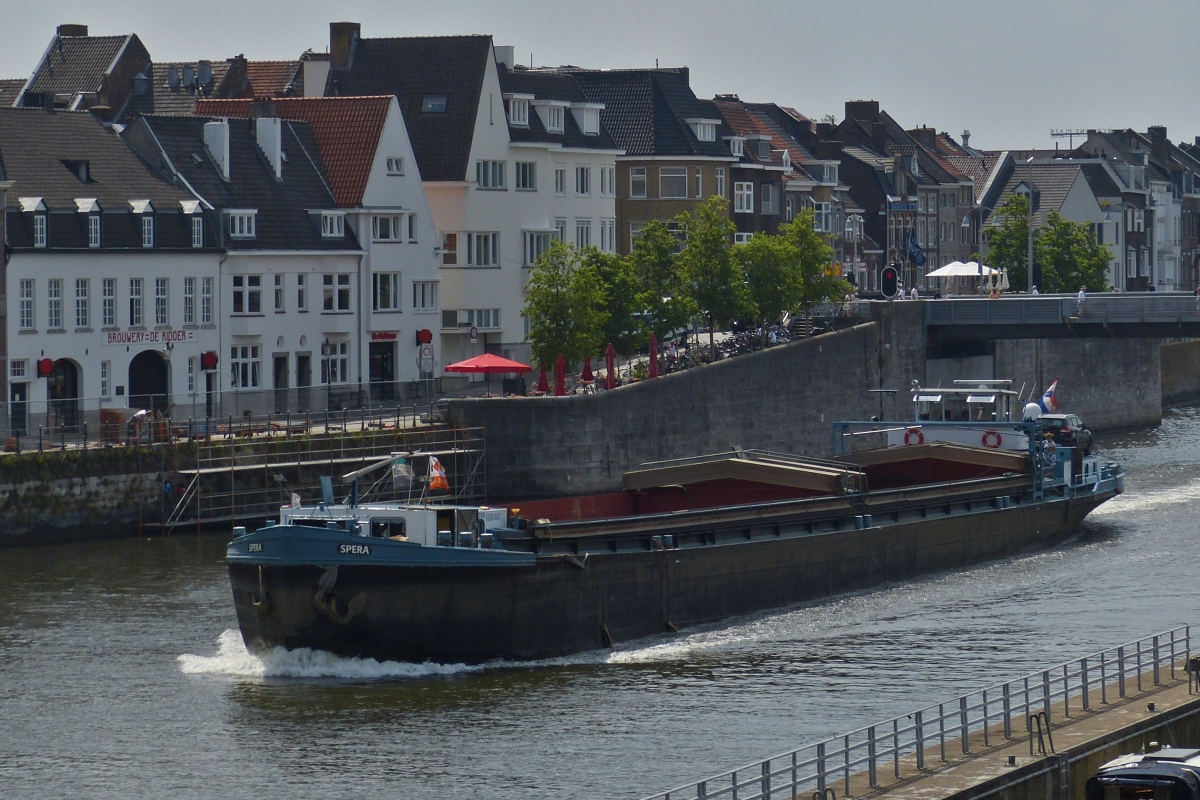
{"x":888,"y":279}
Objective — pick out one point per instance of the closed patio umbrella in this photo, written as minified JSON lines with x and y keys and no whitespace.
{"x":610,"y":359}
{"x":560,"y":376}
{"x":543,"y":384}
{"x":653,"y":373}
{"x":586,"y":376}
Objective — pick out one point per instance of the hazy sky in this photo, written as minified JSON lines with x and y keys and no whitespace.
{"x":1008,"y":71}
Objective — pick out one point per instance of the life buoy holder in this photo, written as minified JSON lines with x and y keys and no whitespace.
{"x":914,"y":436}
{"x":992,"y":439}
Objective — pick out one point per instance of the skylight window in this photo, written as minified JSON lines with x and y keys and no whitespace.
{"x":434,"y":104}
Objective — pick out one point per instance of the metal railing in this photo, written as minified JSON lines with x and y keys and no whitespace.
{"x":1106,"y":307}
{"x":906,"y":742}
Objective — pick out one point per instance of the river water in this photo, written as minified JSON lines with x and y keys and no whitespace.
{"x":122,"y":674}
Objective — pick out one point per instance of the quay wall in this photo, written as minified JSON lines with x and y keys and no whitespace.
{"x":1180,"y":371}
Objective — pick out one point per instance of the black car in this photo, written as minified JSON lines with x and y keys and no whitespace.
{"x":1068,"y":431}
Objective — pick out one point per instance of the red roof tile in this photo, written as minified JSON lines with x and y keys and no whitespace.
{"x":347,"y":130}
{"x":271,"y":78}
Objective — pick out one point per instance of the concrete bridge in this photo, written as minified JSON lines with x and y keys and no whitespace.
{"x":1142,"y":315}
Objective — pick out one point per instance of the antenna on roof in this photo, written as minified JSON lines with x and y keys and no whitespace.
{"x":656,"y":63}
{"x":1068,"y":134}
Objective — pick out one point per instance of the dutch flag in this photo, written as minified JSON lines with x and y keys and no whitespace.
{"x":1048,"y":402}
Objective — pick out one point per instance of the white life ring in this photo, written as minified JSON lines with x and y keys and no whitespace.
{"x":914,"y":436}
{"x":992,"y":439}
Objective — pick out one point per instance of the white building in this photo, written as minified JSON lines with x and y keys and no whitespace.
{"x":112,"y":277}
{"x":509,"y":158}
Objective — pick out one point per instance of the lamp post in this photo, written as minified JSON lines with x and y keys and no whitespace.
{"x":326,"y":352}
{"x":854,"y":233}
{"x":1108,"y":218}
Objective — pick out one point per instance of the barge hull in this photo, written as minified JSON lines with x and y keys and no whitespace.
{"x":565,"y":604}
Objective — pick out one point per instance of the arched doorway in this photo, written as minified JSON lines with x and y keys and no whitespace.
{"x":62,"y":390}
{"x":148,"y":381}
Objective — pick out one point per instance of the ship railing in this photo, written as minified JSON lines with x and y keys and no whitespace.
{"x":752,"y":455}
{"x":991,"y":717}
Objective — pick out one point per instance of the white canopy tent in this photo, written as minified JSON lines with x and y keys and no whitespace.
{"x":958,"y":269}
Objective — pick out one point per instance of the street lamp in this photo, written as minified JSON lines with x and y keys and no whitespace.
{"x":326,"y":352}
{"x":854,"y":233}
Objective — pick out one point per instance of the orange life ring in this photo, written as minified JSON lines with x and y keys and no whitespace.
{"x":914,"y":436}
{"x":992,"y":439}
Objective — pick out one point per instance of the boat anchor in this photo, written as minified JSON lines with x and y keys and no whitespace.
{"x":326,"y":600}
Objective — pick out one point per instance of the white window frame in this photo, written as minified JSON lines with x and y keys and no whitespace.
{"x":672,"y":174}
{"x":608,"y":235}
{"x":280,"y":301}
{"x":27,"y":293}
{"x":108,"y":302}
{"x":483,"y":249}
{"x":83,"y":303}
{"x":243,"y":224}
{"x":206,"y":301}
{"x":769,"y":193}
{"x":554,"y":119}
{"x":490,"y":174}
{"x":147,"y":230}
{"x":335,"y":367}
{"x":162,"y":301}
{"x":335,"y":292}
{"x":518,"y":112}
{"x":638,"y":183}
{"x":197,"y":231}
{"x":583,"y":180}
{"x":245,"y":366}
{"x":560,"y":229}
{"x":39,"y":230}
{"x":386,"y":227}
{"x":698,"y":173}
{"x":136,"y":306}
{"x":93,"y":230}
{"x":583,"y":232}
{"x":720,"y":182}
{"x":301,"y":292}
{"x":106,"y":379}
{"x":385,"y":291}
{"x":191,"y":373}
{"x":743,"y":197}
{"x":54,"y":309}
{"x":425,"y":297}
{"x":536,"y":243}
{"x":247,"y":288}
{"x":742,"y":238}
{"x":449,"y":249}
{"x":560,"y":178}
{"x":333,"y":225}
{"x":189,"y":301}
{"x":525,"y":176}
{"x":395,"y":165}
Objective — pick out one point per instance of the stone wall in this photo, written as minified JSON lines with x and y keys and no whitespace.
{"x":1180,"y":371}
{"x":1109,"y":383}
{"x":781,"y":399}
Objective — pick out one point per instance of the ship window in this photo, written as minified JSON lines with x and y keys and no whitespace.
{"x":981,"y":398}
{"x":388,"y":528}
{"x":929,"y":398}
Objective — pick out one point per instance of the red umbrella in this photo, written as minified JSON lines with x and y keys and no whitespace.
{"x":543,"y":384}
{"x":487,"y":364}
{"x":653,"y":356}
{"x":587,"y":375}
{"x":610,"y":357}
{"x":560,"y":375}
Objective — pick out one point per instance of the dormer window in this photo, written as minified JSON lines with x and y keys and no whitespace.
{"x":764,"y":149}
{"x":333,"y":226}
{"x":242,"y":224}
{"x":90,"y":207}
{"x":705,"y":129}
{"x":587,"y":117}
{"x":737,"y":146}
{"x":395,"y":165}
{"x":554,"y":119}
{"x":191,"y":210}
{"x":831,"y":173}
{"x":787,"y":159}
{"x":145,"y":210}
{"x":518,"y":110}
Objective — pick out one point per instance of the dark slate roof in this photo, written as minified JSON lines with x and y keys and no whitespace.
{"x":347,"y":130}
{"x":1100,"y":179}
{"x":1053,"y":181}
{"x":413,"y":68}
{"x":283,"y":221}
{"x":9,"y":89}
{"x":34,"y":144}
{"x":547,"y":84}
{"x":77,"y":63}
{"x":162,"y":99}
{"x":645,"y":111}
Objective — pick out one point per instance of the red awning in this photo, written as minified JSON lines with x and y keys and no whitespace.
{"x":488,"y":363}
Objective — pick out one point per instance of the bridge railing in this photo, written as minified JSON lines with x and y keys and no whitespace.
{"x":904,"y":743}
{"x":1124,"y":307}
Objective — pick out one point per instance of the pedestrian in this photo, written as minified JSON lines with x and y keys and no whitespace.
{"x":1082,"y":294}
{"x":937,"y":293}
{"x":1035,"y":291}
{"x":772,"y":339}
{"x":913,"y":294}
{"x":167,"y":494}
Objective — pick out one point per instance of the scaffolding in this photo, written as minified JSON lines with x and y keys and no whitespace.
{"x":236,"y":482}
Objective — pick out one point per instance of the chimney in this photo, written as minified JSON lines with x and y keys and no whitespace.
{"x":863,"y":110}
{"x":925,"y":136}
{"x":269,"y":133}
{"x":70,"y":29}
{"x":316,"y":71}
{"x":342,"y":38}
{"x":966,"y":138}
{"x":505,"y":55}
{"x":1157,"y":133}
{"x":262,"y":108}
{"x":216,"y":139}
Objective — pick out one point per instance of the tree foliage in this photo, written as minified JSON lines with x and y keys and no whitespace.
{"x":773,"y":280}
{"x":820,"y":279}
{"x":624,"y":300}
{"x":666,"y":298}
{"x":1009,"y":241}
{"x":565,"y":306}
{"x":718,"y":285}
{"x":1068,"y":256}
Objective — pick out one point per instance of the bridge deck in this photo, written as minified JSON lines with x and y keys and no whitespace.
{"x":1127,"y":315}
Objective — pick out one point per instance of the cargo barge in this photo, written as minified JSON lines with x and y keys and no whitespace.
{"x":686,"y":543}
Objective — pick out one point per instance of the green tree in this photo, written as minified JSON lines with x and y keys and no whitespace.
{"x":664,"y":287}
{"x":565,"y":307}
{"x":624,"y":296}
{"x":773,"y":278}
{"x":717,"y":283}
{"x":1008,"y":242}
{"x":820,"y":279}
{"x":1068,"y":256}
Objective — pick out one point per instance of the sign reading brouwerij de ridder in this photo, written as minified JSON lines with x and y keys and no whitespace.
{"x":160,"y":337}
